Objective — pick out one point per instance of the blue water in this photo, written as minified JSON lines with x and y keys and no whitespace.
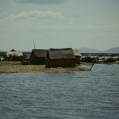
{"x":75,"y":95}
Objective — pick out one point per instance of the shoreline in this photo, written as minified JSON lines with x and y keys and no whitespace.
{"x":17,"y":67}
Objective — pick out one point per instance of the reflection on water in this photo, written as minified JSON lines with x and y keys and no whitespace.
{"x":76,"y":95}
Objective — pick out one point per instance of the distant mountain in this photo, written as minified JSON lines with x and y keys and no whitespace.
{"x":113,"y":50}
{"x":89,"y":50}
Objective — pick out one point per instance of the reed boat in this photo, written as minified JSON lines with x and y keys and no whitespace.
{"x":86,"y":66}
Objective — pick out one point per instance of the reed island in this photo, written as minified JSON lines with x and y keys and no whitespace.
{"x":52,"y":60}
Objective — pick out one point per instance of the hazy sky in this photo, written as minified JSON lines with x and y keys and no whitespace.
{"x":59,"y":23}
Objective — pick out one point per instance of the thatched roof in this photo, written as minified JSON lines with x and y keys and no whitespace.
{"x":39,"y":53}
{"x":14,"y":53}
{"x":76,"y":52}
{"x":66,"y":53}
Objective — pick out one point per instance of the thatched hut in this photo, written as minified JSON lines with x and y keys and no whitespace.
{"x":60,"y":58}
{"x":14,"y":55}
{"x":2,"y":55}
{"x":77,"y":55}
{"x":38,"y":56}
{"x":26,"y":58}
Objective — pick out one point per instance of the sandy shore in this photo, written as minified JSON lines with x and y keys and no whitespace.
{"x":14,"y":67}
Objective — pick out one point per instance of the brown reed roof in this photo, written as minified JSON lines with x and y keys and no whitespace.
{"x":65,"y":53}
{"x":39,"y":52}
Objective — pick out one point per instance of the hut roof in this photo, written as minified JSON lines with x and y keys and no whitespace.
{"x":66,"y":53}
{"x":14,"y":53}
{"x":39,"y":52}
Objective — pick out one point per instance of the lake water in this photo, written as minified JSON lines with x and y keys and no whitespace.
{"x":75,"y":95}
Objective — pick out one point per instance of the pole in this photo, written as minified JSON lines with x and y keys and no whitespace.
{"x":34,"y":44}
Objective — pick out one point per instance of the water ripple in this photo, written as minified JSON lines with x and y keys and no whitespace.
{"x":74,"y":95}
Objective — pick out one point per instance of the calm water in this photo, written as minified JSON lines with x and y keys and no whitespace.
{"x":79,"y":95}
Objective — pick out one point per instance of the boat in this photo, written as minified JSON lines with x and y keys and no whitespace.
{"x":86,"y":66}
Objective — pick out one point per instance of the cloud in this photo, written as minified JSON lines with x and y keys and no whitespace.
{"x":37,"y":15}
{"x":41,"y":1}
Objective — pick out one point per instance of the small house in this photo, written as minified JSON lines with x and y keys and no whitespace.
{"x":14,"y":55}
{"x":38,"y":56}
{"x":60,"y":58}
{"x":2,"y":55}
{"x":26,"y":58}
{"x":77,"y":55}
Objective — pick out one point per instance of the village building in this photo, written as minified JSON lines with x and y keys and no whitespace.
{"x":2,"y":55}
{"x":14,"y":55}
{"x":77,"y":55}
{"x":26,"y":58}
{"x":60,"y":58}
{"x":38,"y":56}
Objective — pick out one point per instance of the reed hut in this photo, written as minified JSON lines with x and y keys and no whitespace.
{"x":77,"y":55}
{"x":38,"y":56}
{"x":26,"y":58}
{"x":60,"y":58}
{"x":2,"y":55}
{"x":14,"y":55}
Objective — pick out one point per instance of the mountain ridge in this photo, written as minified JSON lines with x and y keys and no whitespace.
{"x":91,"y":50}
